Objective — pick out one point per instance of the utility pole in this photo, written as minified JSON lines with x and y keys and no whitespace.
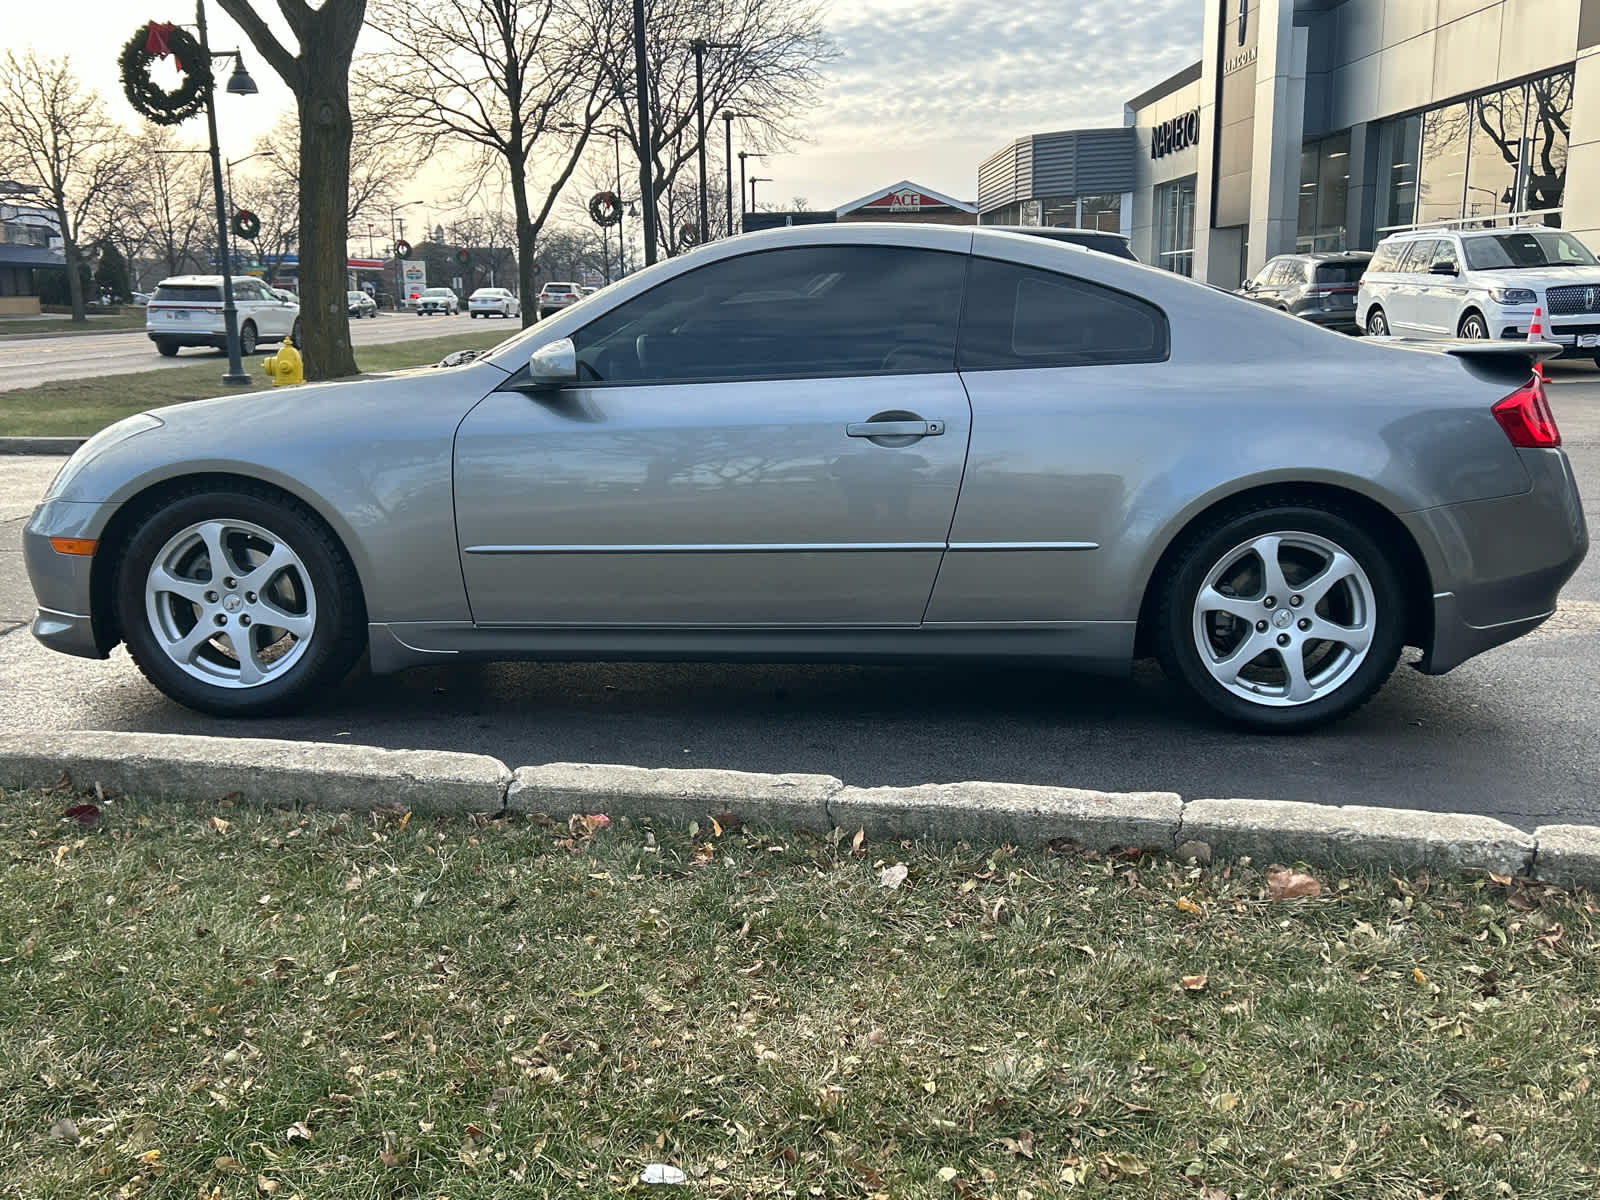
{"x":230,"y":314}
{"x":647,"y":193}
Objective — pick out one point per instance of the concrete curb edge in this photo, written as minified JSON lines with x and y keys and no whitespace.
{"x":332,"y":775}
{"x":40,"y":445}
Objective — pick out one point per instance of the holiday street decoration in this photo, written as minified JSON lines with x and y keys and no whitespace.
{"x":246,"y":224}
{"x":462,"y":257}
{"x":605,"y":208}
{"x":150,"y":100}
{"x":401,"y":249}
{"x":689,"y":235}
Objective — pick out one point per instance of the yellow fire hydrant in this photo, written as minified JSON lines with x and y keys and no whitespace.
{"x":285,"y":366}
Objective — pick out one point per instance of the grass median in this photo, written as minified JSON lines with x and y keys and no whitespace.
{"x":80,"y":407}
{"x":227,"y":1002}
{"x":95,"y":323}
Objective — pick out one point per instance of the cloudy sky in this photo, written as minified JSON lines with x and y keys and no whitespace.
{"x":922,"y":90}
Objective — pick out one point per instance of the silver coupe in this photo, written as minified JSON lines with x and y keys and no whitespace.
{"x":846,"y":443}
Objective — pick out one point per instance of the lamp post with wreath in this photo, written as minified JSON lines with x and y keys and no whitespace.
{"x":197,"y":91}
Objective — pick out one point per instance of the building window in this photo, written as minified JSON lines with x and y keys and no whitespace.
{"x":1498,"y":156}
{"x":1175,"y":226}
{"x":1060,"y":210}
{"x":1324,"y":189}
{"x":1102,"y":213}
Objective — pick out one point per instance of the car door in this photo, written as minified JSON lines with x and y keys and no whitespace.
{"x":772,"y":439}
{"x":1260,"y":288}
{"x":1408,"y":303}
{"x":1442,"y":293}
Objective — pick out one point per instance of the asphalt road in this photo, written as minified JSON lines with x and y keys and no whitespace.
{"x":28,"y":362}
{"x":1514,"y":733}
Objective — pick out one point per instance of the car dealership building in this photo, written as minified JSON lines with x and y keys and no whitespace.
{"x":1327,"y":124}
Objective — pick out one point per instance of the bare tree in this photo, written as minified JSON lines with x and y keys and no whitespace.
{"x":167,"y":200}
{"x":58,"y":138}
{"x":491,"y":238}
{"x":319,"y":77}
{"x":520,"y":82}
{"x":274,"y":197}
{"x":767,"y":66}
{"x":374,"y":160}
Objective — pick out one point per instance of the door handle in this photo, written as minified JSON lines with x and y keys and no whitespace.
{"x":877,"y":429}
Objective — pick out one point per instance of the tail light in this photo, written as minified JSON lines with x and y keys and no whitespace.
{"x":1526,"y":417}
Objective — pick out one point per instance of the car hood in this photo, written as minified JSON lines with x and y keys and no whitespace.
{"x":1539,"y":277}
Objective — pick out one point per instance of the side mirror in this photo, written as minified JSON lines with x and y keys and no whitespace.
{"x":554,"y":364}
{"x":1443,"y":268}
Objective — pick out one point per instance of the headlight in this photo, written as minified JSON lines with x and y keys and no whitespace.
{"x":1511,"y":295}
{"x":110,"y":436}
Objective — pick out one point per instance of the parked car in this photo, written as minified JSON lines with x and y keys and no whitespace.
{"x":361,"y":305}
{"x":553,"y":297}
{"x":489,"y":301}
{"x":186,"y":310}
{"x":140,"y":299}
{"x":950,"y":443}
{"x":1483,"y":283}
{"x":1115,"y":244}
{"x":438,"y":300}
{"x":1317,"y":287}
{"x":284,"y":294}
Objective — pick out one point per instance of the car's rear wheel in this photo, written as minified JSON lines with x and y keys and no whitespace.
{"x":237,"y":603}
{"x":1377,"y":323}
{"x":294,"y":333}
{"x":1281,"y":618}
{"x":247,"y":339}
{"x":167,"y":348}
{"x":1473,"y":326}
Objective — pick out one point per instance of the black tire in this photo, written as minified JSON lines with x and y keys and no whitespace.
{"x":247,"y":339}
{"x":1473,"y":326}
{"x":1377,"y":323}
{"x":1207,"y":547}
{"x":338,"y":635}
{"x":167,"y":348}
{"x":294,"y":333}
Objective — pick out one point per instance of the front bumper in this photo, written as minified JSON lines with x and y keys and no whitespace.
{"x":1498,"y":565}
{"x":62,"y":583}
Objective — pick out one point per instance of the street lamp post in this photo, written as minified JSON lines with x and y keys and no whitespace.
{"x":755,"y":179}
{"x":744,"y":154}
{"x":397,"y":231}
{"x":239,"y":84}
{"x":647,"y":193}
{"x":728,"y":116}
{"x":700,"y":46}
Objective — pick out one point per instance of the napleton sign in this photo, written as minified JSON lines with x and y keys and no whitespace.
{"x":1179,"y":133}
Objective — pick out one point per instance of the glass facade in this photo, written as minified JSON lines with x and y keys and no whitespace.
{"x":1175,"y":226}
{"x":1324,"y":192}
{"x":1476,"y":162}
{"x":1103,"y":213}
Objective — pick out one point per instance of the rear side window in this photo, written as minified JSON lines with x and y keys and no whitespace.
{"x":1017,"y":316}
{"x":1419,"y":255}
{"x":188,"y":293}
{"x":1386,"y":257}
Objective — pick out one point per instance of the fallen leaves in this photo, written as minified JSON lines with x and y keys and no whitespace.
{"x":1194,"y":983}
{"x":1291,"y":885}
{"x":893,"y":877}
{"x":83,"y":814}
{"x":1189,"y":906}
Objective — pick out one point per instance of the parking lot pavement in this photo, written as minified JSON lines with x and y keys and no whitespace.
{"x":1511,"y":734}
{"x":28,"y":362}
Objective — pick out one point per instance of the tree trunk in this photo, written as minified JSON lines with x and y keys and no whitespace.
{"x":325,"y":136}
{"x":527,"y":265}
{"x":69,"y":246}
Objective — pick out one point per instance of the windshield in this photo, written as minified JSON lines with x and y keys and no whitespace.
{"x":189,"y":293}
{"x":1526,"y":248}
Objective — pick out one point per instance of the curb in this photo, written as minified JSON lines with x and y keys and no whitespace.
{"x":66,"y":333}
{"x":40,"y":445}
{"x":268,"y":771}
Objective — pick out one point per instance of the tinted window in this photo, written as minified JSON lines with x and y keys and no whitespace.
{"x":1331,"y":274}
{"x":1018,"y":316}
{"x":189,"y":293}
{"x":817,"y":310}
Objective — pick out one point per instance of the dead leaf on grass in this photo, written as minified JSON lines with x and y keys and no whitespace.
{"x":1194,"y":983}
{"x":297,"y":1132}
{"x":83,"y":814}
{"x":856,"y":842}
{"x":1189,"y":906}
{"x":1021,"y":1145}
{"x":893,"y":877}
{"x":1291,"y":885}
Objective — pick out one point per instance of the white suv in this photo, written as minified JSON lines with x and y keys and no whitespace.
{"x":1483,"y":283}
{"x":186,"y":310}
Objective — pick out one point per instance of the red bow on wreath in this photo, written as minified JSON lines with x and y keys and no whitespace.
{"x":155,"y":41}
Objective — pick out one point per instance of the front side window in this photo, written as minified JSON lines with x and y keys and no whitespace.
{"x":1509,"y":251}
{"x":805,"y":311}
{"x":1017,"y":316}
{"x":1444,"y":251}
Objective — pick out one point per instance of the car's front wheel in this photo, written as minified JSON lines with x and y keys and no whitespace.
{"x":239,"y":603}
{"x":1281,"y":618}
{"x":1473,"y":326}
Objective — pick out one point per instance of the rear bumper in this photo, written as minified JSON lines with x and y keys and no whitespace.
{"x":1498,"y":565}
{"x":190,"y":337}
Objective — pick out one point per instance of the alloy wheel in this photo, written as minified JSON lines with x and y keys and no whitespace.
{"x":1472,"y":326}
{"x":1284,"y":619}
{"x":230,"y":603}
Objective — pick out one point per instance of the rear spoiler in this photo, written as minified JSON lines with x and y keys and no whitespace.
{"x":1507,"y":352}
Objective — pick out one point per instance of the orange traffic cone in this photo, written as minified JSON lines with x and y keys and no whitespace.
{"x":1536,"y":334}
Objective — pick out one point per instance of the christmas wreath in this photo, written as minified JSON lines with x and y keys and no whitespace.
{"x":605,"y":208}
{"x":246,"y":225}
{"x":149,"y":99}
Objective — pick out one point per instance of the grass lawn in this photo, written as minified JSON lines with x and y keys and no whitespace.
{"x":218,"y":1001}
{"x":79,"y":407}
{"x":26,"y":327}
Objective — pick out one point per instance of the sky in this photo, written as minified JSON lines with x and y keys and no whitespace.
{"x":922,"y":90}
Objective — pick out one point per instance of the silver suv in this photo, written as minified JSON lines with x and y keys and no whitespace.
{"x":1483,"y":283}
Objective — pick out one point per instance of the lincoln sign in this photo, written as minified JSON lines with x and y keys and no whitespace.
{"x":1179,"y":133}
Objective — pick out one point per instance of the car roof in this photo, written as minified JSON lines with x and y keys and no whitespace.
{"x":1412,"y":234}
{"x":203,"y":279}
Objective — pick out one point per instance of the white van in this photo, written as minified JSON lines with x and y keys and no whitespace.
{"x":1483,"y":283}
{"x":186,"y":310}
